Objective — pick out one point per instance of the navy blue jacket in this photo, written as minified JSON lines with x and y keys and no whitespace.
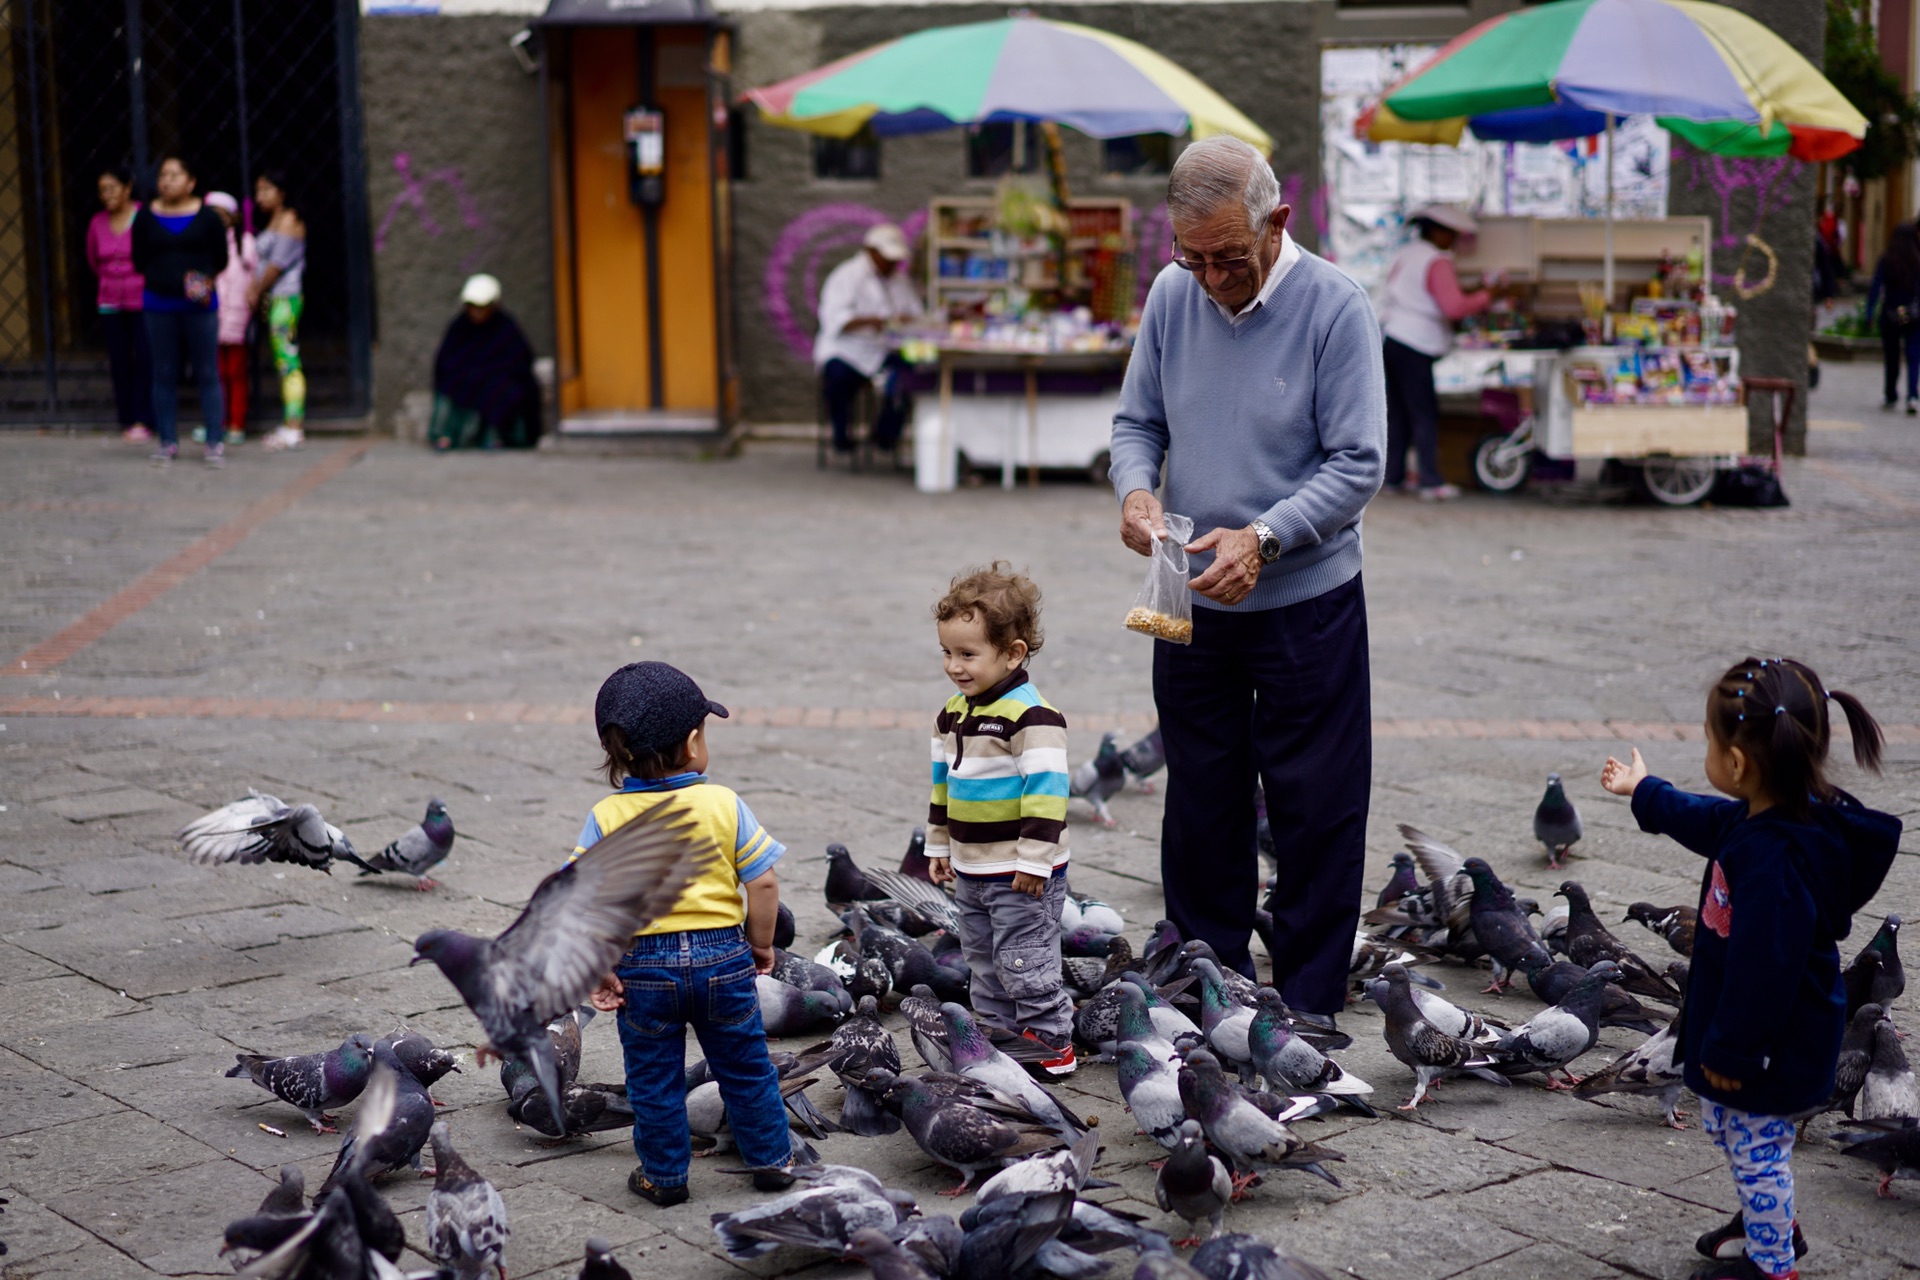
{"x":1765,"y":1005}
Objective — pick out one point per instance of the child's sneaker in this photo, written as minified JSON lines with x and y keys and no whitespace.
{"x":1061,"y":1062}
{"x":665,"y":1197}
{"x":136,"y":434}
{"x":1710,"y":1244}
{"x":163,"y":455}
{"x":216,"y":456}
{"x":284,"y":438}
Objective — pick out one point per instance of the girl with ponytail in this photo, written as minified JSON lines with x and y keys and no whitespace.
{"x":1789,"y":858}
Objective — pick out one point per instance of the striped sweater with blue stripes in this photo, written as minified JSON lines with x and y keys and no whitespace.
{"x":1000,"y":782}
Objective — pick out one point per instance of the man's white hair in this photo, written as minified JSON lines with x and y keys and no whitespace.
{"x":1212,"y":173}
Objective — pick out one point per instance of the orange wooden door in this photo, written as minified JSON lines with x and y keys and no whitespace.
{"x":608,"y":251}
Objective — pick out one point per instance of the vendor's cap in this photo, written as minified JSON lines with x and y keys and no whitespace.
{"x":480,"y":291}
{"x":654,"y":705}
{"x":1451,"y":216}
{"x":222,"y":201}
{"x":887,"y":240}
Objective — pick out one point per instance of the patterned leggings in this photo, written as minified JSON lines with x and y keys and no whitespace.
{"x":283,"y":327}
{"x":1758,"y":1150}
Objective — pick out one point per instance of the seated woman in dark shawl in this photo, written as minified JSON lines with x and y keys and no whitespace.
{"x":484,"y":391}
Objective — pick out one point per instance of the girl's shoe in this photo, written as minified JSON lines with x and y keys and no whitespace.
{"x":1710,"y":1244}
{"x":665,"y":1197}
{"x":1439,"y":493}
{"x":136,"y":434}
{"x":216,"y":456}
{"x":283,"y":438}
{"x":1913,"y":406}
{"x":163,"y":455}
{"x":199,"y":435}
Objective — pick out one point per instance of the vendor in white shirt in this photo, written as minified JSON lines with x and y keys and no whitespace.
{"x":863,"y":298}
{"x":1418,"y":306}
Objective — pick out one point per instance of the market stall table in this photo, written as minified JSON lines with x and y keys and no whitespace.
{"x":1078,"y":423}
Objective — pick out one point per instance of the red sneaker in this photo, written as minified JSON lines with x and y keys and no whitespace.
{"x":1061,"y":1063}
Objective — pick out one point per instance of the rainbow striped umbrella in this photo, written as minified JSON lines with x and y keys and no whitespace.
{"x":1018,"y":68}
{"x":1707,"y":73}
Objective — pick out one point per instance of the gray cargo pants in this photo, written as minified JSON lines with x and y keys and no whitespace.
{"x":1012,"y":944}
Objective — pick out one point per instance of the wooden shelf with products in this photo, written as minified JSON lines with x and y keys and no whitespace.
{"x":974,"y":268}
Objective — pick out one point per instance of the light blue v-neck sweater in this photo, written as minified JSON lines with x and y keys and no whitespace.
{"x":1282,"y":418}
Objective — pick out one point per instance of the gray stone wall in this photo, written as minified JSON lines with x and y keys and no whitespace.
{"x":1763,"y":215}
{"x":792,"y":228}
{"x":456,"y":184}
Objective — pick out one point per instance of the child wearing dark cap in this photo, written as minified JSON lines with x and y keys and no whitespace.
{"x":696,"y":965}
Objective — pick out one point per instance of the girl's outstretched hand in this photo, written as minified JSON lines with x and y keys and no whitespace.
{"x":1621,"y":779}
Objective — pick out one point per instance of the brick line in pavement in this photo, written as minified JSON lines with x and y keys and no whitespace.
{"x":177,"y":568}
{"x":108,"y":707}
{"x":1866,"y":487}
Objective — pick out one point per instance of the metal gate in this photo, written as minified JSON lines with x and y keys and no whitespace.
{"x":236,"y":86}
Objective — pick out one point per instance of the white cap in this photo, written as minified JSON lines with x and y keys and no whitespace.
{"x":887,"y":240}
{"x":480,"y":291}
{"x":1451,"y":216}
{"x":221,"y":200}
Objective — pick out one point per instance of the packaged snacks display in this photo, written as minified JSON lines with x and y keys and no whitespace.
{"x":1164,"y":607}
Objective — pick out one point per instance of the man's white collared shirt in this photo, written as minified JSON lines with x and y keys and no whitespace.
{"x":1289,"y":254}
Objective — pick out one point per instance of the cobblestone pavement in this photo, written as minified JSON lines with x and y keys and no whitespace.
{"x":363,"y":625}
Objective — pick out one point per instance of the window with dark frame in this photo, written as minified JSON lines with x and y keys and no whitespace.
{"x":857,"y":157}
{"x":1137,"y":155}
{"x":995,"y":149}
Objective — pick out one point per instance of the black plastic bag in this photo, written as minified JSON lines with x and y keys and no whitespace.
{"x":1751,"y":485}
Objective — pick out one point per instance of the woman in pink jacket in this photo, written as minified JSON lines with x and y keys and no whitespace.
{"x":243,"y":258}
{"x":110,"y":255}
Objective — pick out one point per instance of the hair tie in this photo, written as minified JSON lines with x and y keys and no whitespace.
{"x":1779,"y":710}
{"x":1739,"y":693}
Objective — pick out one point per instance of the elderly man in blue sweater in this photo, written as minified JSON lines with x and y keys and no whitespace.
{"x":1256,"y":380}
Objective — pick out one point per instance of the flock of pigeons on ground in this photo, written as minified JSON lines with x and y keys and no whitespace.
{"x":1215,"y":1068}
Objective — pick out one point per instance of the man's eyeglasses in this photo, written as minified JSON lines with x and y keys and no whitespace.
{"x":1232,"y":266}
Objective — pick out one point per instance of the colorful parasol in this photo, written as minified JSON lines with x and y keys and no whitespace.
{"x":1009,"y":69}
{"x":1709,"y":74}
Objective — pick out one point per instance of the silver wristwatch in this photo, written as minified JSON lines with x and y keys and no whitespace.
{"x":1270,"y":547}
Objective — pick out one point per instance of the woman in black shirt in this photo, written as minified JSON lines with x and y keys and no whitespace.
{"x":180,"y":246}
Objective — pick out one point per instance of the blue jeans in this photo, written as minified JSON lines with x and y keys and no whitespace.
{"x":703,"y":979}
{"x":193,"y":335}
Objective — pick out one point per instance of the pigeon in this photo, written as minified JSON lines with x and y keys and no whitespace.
{"x":816,"y":974}
{"x":846,"y":882}
{"x":1079,"y":909}
{"x":1590,"y":941}
{"x":1462,"y":1024}
{"x":887,"y":1260}
{"x":908,"y":963}
{"x":1161,"y":955}
{"x":281,"y":1213}
{"x":1193,"y":1184}
{"x":1010,"y":1237}
{"x":963,"y":1137}
{"x":417,"y":852}
{"x":1402,"y":882}
{"x":1225,"y":1024}
{"x":388,"y":1137}
{"x":587,"y":1108}
{"x":1236,"y":986}
{"x":914,"y":862}
{"x":927,"y":1029}
{"x":1240,"y":1131}
{"x":1889,"y":1091}
{"x":1100,"y":779}
{"x":1675,"y":924}
{"x":1163,"y":1266}
{"x":600,"y":1263}
{"x":313,"y":1082}
{"x":318,"y":1246}
{"x":1288,"y":1063}
{"x":262,"y":829}
{"x":1554,"y":1037}
{"x":1064,"y":1170}
{"x":928,"y":901}
{"x":1556,"y":823}
{"x":976,"y":1057}
{"x":1244,"y":1257}
{"x":789,"y":1011}
{"x":579,"y":921}
{"x":836,"y":1201}
{"x":1438,"y":911}
{"x":1145,"y":758}
{"x":1552,"y":981}
{"x":1087,"y":940}
{"x":1151,"y":1088}
{"x":466,"y":1220}
{"x":426,"y":1061}
{"x":1875,"y":974}
{"x":1891,"y":1146}
{"x":1856,"y":1058}
{"x":784,"y":926}
{"x":1499,"y":927}
{"x":1651,"y":1069}
{"x":1432,"y":1052}
{"x":289,"y":1195}
{"x":1168,"y":1022}
{"x":858,"y":1045}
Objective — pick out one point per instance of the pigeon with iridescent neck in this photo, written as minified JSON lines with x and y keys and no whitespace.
{"x":975,"y":1057}
{"x":417,"y":852}
{"x":1556,"y":823}
{"x":313,"y":1082}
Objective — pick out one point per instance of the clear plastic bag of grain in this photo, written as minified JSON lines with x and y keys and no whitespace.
{"x":1164,"y":607}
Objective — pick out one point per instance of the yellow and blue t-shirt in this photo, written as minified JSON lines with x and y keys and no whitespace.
{"x":714,"y":900}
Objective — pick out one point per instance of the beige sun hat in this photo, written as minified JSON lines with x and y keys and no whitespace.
{"x":480,"y":290}
{"x":1451,"y":216}
{"x":887,"y":240}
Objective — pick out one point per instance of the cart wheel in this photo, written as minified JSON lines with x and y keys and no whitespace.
{"x":1678,"y":482}
{"x":1497,"y":468}
{"x":1101,"y":469}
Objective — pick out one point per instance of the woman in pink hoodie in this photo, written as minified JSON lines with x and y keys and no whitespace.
{"x":110,"y":255}
{"x":235,"y":316}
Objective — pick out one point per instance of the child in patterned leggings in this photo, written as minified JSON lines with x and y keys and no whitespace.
{"x":1790,"y":858}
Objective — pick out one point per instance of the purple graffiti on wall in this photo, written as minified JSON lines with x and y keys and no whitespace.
{"x":805,"y":242}
{"x":1767,"y":184}
{"x":413,"y":195}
